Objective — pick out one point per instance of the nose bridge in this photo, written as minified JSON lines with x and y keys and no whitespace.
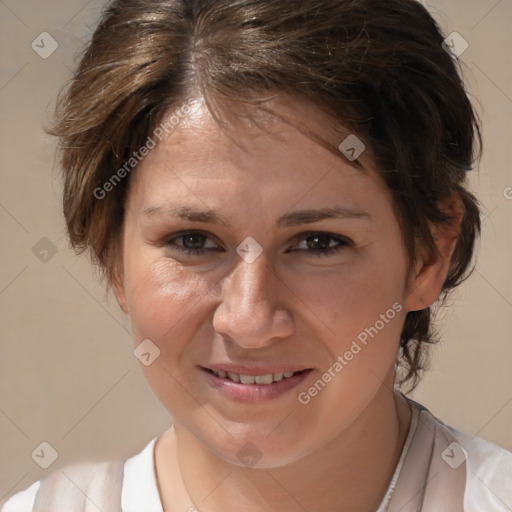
{"x":249,"y":283}
{"x":247,"y":296}
{"x":250,"y":312}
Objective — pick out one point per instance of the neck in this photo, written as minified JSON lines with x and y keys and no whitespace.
{"x":350,"y":473}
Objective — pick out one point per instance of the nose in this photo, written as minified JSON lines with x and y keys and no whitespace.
{"x":251,"y":314}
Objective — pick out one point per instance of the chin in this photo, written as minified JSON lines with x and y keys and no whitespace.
{"x":257,"y":450}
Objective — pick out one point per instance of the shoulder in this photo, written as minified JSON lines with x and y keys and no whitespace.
{"x":488,"y":467}
{"x":24,"y":500}
{"x":106,"y":484}
{"x":70,"y":488}
{"x":488,"y":473}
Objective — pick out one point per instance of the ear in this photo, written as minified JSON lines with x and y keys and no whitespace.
{"x":119,"y":289}
{"x":426,"y":284}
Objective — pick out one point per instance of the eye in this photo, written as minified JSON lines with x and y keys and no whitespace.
{"x":321,"y":244}
{"x":191,"y":242}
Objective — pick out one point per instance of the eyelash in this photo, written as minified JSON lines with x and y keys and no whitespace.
{"x":342,"y":242}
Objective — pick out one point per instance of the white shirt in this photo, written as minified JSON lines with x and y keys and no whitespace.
{"x":488,"y":476}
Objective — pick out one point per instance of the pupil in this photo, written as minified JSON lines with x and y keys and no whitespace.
{"x":318,"y":242}
{"x":193,"y":241}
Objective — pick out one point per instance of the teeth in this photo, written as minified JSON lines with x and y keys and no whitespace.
{"x":264,"y":379}
{"x":247,"y":379}
{"x":254,"y":379}
{"x":234,"y":377}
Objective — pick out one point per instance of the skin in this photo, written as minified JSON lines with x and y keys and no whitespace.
{"x":289,"y":306}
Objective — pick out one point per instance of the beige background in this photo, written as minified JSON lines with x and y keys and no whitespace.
{"x":67,"y":372}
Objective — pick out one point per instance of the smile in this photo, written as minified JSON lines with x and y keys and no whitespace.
{"x":262,"y":385}
{"x":254,"y":379}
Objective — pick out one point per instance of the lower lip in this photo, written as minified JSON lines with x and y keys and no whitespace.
{"x":254,"y":392}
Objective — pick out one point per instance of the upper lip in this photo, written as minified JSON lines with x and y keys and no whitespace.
{"x":255,"y":370}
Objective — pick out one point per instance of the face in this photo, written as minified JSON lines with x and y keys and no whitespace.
{"x":268,"y":259}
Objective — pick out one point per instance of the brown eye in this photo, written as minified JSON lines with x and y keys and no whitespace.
{"x":318,"y":242}
{"x":191,"y":242}
{"x":321,"y":244}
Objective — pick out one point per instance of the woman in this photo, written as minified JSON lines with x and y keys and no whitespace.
{"x":276,"y":193}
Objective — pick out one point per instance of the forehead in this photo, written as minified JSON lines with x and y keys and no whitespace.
{"x":257,"y":156}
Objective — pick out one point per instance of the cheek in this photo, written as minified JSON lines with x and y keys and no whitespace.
{"x":353,"y":297}
{"x":167,"y":305}
{"x":163,"y":298}
{"x":362,"y":306}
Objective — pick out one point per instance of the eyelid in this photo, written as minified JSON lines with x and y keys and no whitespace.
{"x":169,"y":240}
{"x":340,"y":238}
{"x":192,"y":232}
{"x":341,"y":241}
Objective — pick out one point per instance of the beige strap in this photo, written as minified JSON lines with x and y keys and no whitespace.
{"x":427,"y":482}
{"x":82,"y":488}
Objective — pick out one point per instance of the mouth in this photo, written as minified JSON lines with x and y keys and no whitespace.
{"x":254,"y":385}
{"x":265,"y":379}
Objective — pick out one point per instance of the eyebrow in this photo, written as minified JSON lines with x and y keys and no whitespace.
{"x":293,"y":218}
{"x":310,"y":216}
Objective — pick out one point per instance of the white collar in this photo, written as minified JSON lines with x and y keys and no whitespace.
{"x":140,"y":491}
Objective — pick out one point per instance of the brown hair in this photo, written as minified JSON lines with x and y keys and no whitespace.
{"x":377,"y":68}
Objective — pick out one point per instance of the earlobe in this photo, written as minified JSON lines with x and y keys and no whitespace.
{"x":119,"y":291}
{"x":426,"y":285}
